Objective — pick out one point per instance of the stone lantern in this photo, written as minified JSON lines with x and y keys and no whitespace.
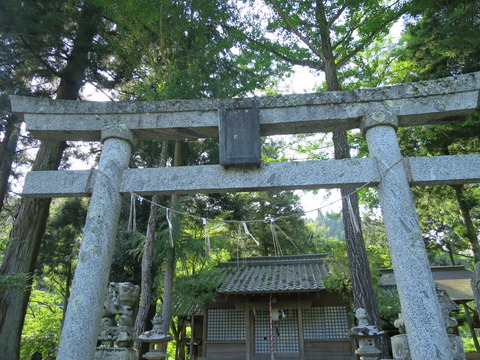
{"x":365,"y":334}
{"x":154,"y":338}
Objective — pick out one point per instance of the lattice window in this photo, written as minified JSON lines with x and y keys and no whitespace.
{"x":285,"y":333}
{"x":328,"y":322}
{"x":226,"y":325}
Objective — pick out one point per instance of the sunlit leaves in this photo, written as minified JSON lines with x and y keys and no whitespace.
{"x":41,"y":332}
{"x":300,"y":29}
{"x":440,"y":41}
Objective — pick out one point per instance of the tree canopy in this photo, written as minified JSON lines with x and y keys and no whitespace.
{"x":157,"y":50}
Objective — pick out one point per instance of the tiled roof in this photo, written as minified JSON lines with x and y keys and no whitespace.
{"x":455,"y":280}
{"x":292,"y":273}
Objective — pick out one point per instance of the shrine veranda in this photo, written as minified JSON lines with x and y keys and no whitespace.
{"x":377,"y":112}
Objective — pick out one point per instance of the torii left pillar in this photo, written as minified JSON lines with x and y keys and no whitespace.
{"x":85,"y":307}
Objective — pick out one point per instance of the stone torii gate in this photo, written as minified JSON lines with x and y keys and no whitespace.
{"x":377,"y":112}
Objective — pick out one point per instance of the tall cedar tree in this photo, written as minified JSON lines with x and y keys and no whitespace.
{"x":441,"y":43}
{"x":30,"y":222}
{"x":54,"y":41}
{"x":325,"y":36}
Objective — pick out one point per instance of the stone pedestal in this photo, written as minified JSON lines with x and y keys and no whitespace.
{"x":457,"y":347}
{"x":116,"y":354}
{"x":401,"y":350}
{"x":400,"y":343}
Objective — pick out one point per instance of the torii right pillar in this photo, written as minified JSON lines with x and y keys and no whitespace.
{"x":425,"y":328}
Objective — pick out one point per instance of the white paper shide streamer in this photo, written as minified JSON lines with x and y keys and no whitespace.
{"x":247,"y":232}
{"x":170,"y":227}
{"x":207,"y":238}
{"x":132,"y":217}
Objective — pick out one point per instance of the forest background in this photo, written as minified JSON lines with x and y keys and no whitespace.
{"x":158,"y":50}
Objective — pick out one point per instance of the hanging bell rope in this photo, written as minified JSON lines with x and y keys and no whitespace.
{"x":272,"y":345}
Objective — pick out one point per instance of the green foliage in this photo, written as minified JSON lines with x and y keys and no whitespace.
{"x":61,"y":242}
{"x":339,"y":280}
{"x":273,"y":149}
{"x":41,"y":331}
{"x":443,"y":209}
{"x":463,"y":328}
{"x":333,"y":224}
{"x":442,"y":223}
{"x":191,"y":292}
{"x":127,"y":257}
{"x":315,"y":33}
{"x":283,"y":206}
{"x":371,"y":67}
{"x":185,"y":49}
{"x":14,"y":281}
{"x":310,"y":146}
{"x":39,"y":35}
{"x":440,"y":40}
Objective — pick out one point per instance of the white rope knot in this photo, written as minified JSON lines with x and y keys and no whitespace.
{"x":247,"y":232}
{"x":270,"y":220}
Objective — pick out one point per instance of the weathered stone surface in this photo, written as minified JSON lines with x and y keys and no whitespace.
{"x":118,"y":131}
{"x":383,"y":118}
{"x":85,"y":308}
{"x":400,"y":347}
{"x":414,"y":104}
{"x":424,"y":323}
{"x":156,"y":335}
{"x":444,"y":170}
{"x":476,"y":285}
{"x":365,"y":333}
{"x":120,"y":306}
{"x":327,"y":174}
{"x":401,"y":350}
{"x":116,"y":354}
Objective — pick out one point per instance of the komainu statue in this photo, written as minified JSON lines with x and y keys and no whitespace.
{"x":119,"y":309}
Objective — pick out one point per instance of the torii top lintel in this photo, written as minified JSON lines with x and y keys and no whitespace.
{"x":418,"y":103}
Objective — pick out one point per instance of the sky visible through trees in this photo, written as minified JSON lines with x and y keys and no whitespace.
{"x":160,"y":75}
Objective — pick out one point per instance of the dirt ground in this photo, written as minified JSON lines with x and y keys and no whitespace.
{"x":473,"y":356}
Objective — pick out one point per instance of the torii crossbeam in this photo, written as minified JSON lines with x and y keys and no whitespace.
{"x":377,"y":112}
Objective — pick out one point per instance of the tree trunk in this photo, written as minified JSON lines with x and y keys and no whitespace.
{"x":68,"y":283}
{"x":450,"y":254}
{"x":30,"y":223}
{"x":170,"y":263}
{"x":146,"y":282}
{"x":167,"y":303}
{"x":21,"y":254}
{"x":192,"y":333}
{"x":471,"y":232}
{"x":362,"y":286}
{"x":179,"y":335}
{"x":7,"y":151}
